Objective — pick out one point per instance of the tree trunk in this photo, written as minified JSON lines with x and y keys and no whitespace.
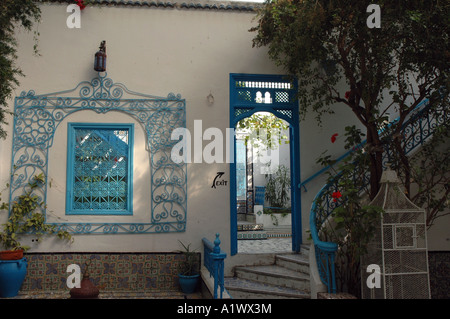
{"x":375,"y":150}
{"x":403,"y":165}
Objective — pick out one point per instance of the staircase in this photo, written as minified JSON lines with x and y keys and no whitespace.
{"x":287,"y":277}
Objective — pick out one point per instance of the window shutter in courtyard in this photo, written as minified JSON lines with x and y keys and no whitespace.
{"x":99,"y":169}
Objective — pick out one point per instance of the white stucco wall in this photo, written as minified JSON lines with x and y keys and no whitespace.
{"x":153,"y":51}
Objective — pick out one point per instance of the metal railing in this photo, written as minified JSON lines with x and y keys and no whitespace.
{"x":416,"y":130}
{"x":213,"y":260}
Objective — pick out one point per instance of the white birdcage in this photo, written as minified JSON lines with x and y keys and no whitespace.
{"x":398,"y":249}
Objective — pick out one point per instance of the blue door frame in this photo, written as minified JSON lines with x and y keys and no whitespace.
{"x":284,"y":104}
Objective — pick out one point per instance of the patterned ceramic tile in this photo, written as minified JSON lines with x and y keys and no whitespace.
{"x":140,"y":272}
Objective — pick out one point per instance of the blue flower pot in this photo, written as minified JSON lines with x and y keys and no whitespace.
{"x":188,"y":283}
{"x":12,"y":274}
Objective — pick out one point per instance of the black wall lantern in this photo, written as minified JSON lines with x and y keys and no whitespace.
{"x":100,"y":58}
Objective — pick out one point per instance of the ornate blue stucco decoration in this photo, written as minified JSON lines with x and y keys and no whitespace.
{"x":37,"y":118}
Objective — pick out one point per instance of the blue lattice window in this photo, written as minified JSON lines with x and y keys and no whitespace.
{"x":99,"y":172}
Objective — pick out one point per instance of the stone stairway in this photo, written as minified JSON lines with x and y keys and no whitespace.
{"x":288,"y":277}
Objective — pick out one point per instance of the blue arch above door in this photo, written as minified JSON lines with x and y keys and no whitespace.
{"x":251,"y":93}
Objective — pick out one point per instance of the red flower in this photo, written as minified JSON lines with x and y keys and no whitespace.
{"x":336,"y":195}
{"x":333,"y":137}
{"x":347,"y":94}
{"x":81,"y":4}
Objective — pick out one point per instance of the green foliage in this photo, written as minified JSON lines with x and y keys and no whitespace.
{"x":13,"y":14}
{"x":352,"y":223}
{"x":26,"y":217}
{"x":264,"y":129}
{"x":355,"y":226}
{"x":278,"y":187}
{"x":326,"y":41}
{"x":327,"y":44}
{"x":391,"y":69}
{"x":430,"y":175}
{"x":190,"y":263}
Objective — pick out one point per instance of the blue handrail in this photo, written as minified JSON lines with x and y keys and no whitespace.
{"x":421,"y":125}
{"x":213,"y":260}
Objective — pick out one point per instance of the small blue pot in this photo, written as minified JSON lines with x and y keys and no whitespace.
{"x":12,"y":275}
{"x":188,"y":283}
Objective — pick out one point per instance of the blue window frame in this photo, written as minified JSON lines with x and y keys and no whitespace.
{"x":99,"y":169}
{"x":241,"y":169}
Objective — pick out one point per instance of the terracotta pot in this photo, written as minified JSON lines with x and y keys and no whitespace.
{"x":87,"y":290}
{"x":11,"y":254}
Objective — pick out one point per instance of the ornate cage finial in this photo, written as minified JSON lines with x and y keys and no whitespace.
{"x":103,"y":46}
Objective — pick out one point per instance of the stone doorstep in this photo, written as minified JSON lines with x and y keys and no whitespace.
{"x":253,"y":288}
{"x":274,"y":275}
{"x":287,"y":277}
{"x":296,"y":262}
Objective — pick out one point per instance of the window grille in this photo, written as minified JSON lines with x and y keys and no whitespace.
{"x":254,"y":92}
{"x":99,"y":166}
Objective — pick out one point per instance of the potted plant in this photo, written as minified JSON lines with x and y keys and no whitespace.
{"x":189,"y":276}
{"x":278,"y":187}
{"x":24,"y":217}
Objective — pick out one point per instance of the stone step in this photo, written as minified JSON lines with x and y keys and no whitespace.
{"x":286,"y":277}
{"x":240,"y":288}
{"x":274,"y":275}
{"x":295,"y":262}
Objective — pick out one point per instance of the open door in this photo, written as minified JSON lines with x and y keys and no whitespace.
{"x":275,"y":94}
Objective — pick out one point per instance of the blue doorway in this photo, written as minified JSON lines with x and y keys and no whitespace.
{"x":276,"y":94}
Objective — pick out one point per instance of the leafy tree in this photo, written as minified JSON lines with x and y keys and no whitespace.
{"x":388,"y":69}
{"x":13,"y":14}
{"x":264,"y":130}
{"x":353,"y":220}
{"x":430,"y":175}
